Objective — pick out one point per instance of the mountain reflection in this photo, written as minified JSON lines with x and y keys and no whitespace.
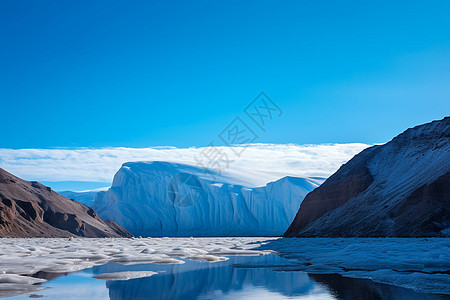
{"x":201,"y":280}
{"x":246,"y":277}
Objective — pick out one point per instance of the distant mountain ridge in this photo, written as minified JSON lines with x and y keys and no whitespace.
{"x":401,"y":189}
{"x":30,"y":209}
{"x":87,"y":198}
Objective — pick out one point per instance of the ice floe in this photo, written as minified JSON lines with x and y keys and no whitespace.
{"x":125,"y":275}
{"x":29,"y":256}
{"x":13,"y":284}
{"x":419,"y":264}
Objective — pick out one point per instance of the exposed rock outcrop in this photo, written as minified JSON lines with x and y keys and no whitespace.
{"x":401,"y":188}
{"x":30,"y":209}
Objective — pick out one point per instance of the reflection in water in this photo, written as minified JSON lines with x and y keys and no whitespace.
{"x":255,"y":277}
{"x":194,"y":280}
{"x":241,"y":277}
{"x":353,"y":288}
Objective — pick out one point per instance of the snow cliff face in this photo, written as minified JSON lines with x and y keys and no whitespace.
{"x":166,"y":199}
{"x":401,"y":188}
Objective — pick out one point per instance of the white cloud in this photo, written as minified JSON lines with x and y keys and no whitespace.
{"x":257,"y":165}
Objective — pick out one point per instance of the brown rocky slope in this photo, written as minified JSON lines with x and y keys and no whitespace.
{"x":398,"y":189}
{"x":30,"y":209}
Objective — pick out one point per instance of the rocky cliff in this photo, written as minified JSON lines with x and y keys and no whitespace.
{"x":30,"y":209}
{"x":401,"y":188}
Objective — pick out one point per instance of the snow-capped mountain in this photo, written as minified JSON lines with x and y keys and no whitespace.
{"x":401,"y":188}
{"x":168,"y":199}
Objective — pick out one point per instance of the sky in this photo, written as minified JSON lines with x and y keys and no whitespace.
{"x":82,"y":169}
{"x":104,"y":75}
{"x":176,"y":73}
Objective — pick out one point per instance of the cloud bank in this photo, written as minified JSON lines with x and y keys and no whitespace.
{"x":255,"y":166}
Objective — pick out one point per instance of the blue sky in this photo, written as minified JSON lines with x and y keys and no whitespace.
{"x":152,"y":73}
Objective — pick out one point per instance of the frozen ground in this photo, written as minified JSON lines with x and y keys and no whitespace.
{"x":419,"y":264}
{"x":22,"y":257}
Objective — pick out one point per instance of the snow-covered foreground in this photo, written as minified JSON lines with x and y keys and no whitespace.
{"x":419,"y":264}
{"x":22,"y":257}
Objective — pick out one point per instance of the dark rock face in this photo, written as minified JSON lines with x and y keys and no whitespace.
{"x":427,"y":209}
{"x":335,"y":192}
{"x":401,"y":188}
{"x":30,"y":209}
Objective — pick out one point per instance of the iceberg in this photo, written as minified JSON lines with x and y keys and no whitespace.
{"x":168,"y":199}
